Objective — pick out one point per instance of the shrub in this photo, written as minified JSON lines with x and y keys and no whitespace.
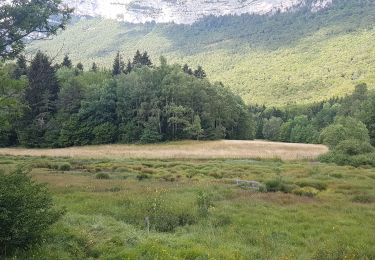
{"x":306,"y":191}
{"x":314,"y":184}
{"x":273,"y":185}
{"x":26,"y":211}
{"x":102,"y":176}
{"x":344,"y":128}
{"x":64,"y":167}
{"x":354,"y":147}
{"x":142,"y":176}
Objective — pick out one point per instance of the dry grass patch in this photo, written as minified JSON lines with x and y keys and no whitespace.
{"x":184,"y":150}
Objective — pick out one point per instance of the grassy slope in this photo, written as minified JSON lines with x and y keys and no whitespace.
{"x":274,"y":60}
{"x":105,"y":218}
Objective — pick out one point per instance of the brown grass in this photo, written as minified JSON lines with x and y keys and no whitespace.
{"x":182,"y":150}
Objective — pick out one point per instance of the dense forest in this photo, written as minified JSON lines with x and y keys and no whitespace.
{"x":275,"y":59}
{"x":62,"y":105}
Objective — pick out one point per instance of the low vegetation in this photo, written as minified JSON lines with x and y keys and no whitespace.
{"x":189,"y":209}
{"x":226,"y":149}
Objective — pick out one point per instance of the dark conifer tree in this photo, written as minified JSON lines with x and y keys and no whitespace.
{"x":43,"y":85}
{"x":137,"y":60}
{"x":79,"y":66}
{"x":66,"y":62}
{"x":21,"y":67}
{"x":187,"y":69}
{"x":129,"y":67}
{"x":118,"y":65}
{"x":200,"y":73}
{"x":145,"y":59}
{"x":94,"y":67}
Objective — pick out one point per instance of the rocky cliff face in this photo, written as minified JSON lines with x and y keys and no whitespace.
{"x":182,"y":11}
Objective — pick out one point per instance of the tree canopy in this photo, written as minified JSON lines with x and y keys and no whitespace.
{"x":22,"y":20}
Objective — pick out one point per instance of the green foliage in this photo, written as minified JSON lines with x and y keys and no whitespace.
{"x":65,"y":167}
{"x":306,"y":191}
{"x":26,"y":212}
{"x":102,"y":176}
{"x":11,"y":106}
{"x":344,"y":128}
{"x":354,"y":147}
{"x":19,"y":20}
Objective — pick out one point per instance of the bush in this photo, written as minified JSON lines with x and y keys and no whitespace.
{"x":314,"y":184}
{"x":26,"y":212}
{"x":354,"y":147}
{"x":64,"y":167}
{"x":342,"y":159}
{"x":306,"y":191}
{"x":344,"y":128}
{"x":102,"y":176}
{"x":143,"y":176}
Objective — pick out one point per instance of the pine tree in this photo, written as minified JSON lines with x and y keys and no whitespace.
{"x":137,"y":60}
{"x":79,"y":66}
{"x":200,"y":73}
{"x":129,"y":67}
{"x":67,"y":62}
{"x":40,"y":99}
{"x":21,"y":67}
{"x":118,"y":65}
{"x":94,"y":67}
{"x":186,"y":69}
{"x":42,"y":83}
{"x":145,"y":60}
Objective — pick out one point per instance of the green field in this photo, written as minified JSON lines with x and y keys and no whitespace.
{"x":274,"y":60}
{"x":197,"y":211}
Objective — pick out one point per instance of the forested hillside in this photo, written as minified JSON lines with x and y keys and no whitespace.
{"x":295,"y":57}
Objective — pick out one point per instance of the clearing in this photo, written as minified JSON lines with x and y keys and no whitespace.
{"x":223,"y":149}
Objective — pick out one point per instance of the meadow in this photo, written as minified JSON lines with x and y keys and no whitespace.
{"x":190,"y":208}
{"x":183,"y":149}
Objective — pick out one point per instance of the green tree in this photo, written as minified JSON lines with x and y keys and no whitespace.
{"x":200,"y":73}
{"x":79,"y":66}
{"x":40,"y":98}
{"x":21,"y":18}
{"x":11,"y":107}
{"x":195,"y":129}
{"x":271,"y":128}
{"x":186,"y":69}
{"x":21,"y":67}
{"x":344,"y":128}
{"x":118,"y":65}
{"x":26,"y":211}
{"x":67,"y":62}
{"x":94,"y":67}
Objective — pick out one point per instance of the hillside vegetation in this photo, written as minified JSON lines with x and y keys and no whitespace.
{"x":292,"y":57}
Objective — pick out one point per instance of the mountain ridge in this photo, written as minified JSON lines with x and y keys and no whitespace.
{"x":183,"y":11}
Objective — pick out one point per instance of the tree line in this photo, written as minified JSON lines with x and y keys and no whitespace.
{"x":63,"y":105}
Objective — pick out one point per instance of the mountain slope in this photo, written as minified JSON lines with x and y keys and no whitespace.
{"x":181,"y":11}
{"x":300,"y":56}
